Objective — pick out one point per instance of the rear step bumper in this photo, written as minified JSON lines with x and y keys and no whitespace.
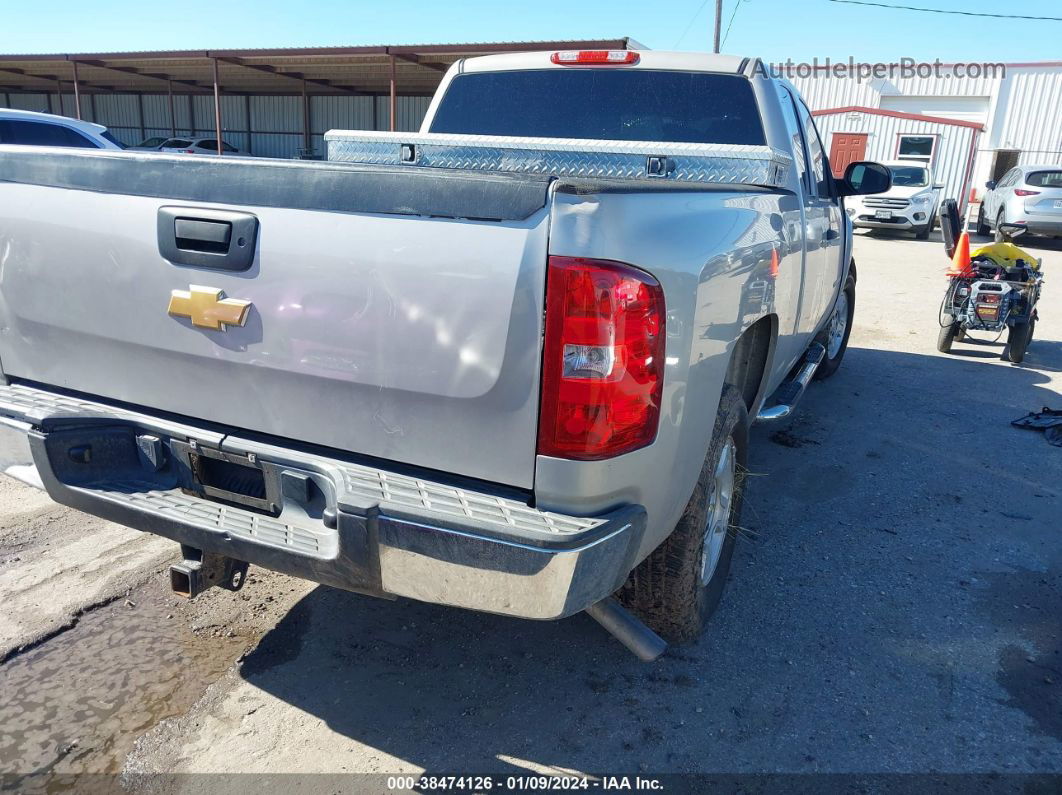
{"x":327,"y":519}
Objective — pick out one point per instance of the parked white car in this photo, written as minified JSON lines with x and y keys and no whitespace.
{"x":188,"y":146}
{"x":909,"y":206}
{"x":29,"y":128}
{"x":1026,"y":195}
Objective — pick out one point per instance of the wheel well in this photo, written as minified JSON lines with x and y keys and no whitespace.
{"x":748,"y":362}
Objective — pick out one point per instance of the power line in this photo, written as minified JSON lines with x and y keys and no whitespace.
{"x":737,"y":5}
{"x":693,"y":19}
{"x":947,"y":11}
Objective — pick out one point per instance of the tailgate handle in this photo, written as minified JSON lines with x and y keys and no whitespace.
{"x":200,"y":237}
{"x":209,"y":236}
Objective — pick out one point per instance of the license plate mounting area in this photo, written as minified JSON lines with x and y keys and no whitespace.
{"x":233,"y":478}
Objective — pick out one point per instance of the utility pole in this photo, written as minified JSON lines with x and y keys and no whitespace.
{"x":718,"y":22}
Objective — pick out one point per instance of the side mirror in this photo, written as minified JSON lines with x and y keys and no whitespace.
{"x":991,"y":184}
{"x":863,"y":177}
{"x":939,"y":186}
{"x":1011,"y":231}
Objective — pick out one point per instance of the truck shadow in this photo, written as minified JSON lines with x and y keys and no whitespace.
{"x":877,"y":586}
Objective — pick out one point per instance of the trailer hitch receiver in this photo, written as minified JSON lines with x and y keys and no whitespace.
{"x":202,"y":570}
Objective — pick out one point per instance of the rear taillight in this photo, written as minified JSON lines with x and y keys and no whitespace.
{"x":1023,"y":192}
{"x":595,"y":57}
{"x":603,"y":359}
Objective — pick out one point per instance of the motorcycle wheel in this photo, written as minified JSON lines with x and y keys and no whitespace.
{"x":946,"y":336}
{"x":1018,"y":341}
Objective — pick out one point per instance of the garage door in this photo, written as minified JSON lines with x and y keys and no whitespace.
{"x":958,"y":108}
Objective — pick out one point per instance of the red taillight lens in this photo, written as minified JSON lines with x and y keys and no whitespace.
{"x":603,"y":359}
{"x":1023,"y":192}
{"x":594,"y":57}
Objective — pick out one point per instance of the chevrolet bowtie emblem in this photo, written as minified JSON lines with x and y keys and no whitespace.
{"x":205,"y":307}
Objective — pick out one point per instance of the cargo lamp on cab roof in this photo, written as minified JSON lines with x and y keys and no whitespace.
{"x":594,"y":57}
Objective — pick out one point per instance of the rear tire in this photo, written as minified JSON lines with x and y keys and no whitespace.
{"x":1000,"y":220}
{"x":834,"y":337}
{"x":982,"y":225}
{"x":677,"y":588}
{"x":1018,"y":341}
{"x":949,"y":330}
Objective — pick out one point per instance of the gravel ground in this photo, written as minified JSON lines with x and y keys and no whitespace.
{"x":894,"y":606}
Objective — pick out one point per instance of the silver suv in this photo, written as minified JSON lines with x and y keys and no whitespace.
{"x":1027,"y":195}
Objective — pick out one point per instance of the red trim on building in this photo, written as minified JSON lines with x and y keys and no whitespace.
{"x":898,"y":115}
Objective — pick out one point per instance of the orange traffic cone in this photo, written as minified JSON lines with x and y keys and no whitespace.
{"x":773,"y":271}
{"x":960,"y":261}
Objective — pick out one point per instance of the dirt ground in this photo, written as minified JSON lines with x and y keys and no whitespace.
{"x":895,"y":605}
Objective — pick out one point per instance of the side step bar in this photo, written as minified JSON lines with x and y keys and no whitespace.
{"x":789,"y":393}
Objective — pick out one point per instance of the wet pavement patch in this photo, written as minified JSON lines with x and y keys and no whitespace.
{"x":78,"y":702}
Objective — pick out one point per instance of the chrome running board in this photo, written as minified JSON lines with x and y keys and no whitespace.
{"x":789,"y":393}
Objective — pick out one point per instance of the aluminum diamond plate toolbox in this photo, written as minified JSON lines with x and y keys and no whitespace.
{"x":564,"y":157}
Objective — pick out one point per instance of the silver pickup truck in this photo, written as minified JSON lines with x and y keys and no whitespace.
{"x":507,"y":363}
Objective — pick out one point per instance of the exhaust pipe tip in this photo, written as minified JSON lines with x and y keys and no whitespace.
{"x":628,"y":629}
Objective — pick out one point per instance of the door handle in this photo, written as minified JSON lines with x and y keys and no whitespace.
{"x":206,"y":238}
{"x":831,"y":234}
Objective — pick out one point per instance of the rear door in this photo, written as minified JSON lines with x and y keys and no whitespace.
{"x":372,"y":315}
{"x":823,"y":230}
{"x":995,"y":198}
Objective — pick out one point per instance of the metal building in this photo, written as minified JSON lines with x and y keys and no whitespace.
{"x":948,"y":145}
{"x":274,"y":103}
{"x":1018,"y":107}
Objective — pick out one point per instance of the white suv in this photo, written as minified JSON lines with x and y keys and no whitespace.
{"x":910,"y":205}
{"x":44,"y":129}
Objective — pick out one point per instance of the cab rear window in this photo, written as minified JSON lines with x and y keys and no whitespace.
{"x":606,"y":104}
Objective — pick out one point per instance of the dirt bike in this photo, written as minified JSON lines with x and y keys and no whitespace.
{"x":993,"y":289}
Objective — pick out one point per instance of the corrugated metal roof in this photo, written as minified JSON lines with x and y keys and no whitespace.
{"x":349,"y":70}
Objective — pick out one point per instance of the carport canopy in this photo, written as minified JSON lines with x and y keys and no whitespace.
{"x":370,"y":71}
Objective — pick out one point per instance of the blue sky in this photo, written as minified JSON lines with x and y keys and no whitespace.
{"x":773,"y":29}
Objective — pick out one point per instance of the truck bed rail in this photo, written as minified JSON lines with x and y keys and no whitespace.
{"x":564,"y":157}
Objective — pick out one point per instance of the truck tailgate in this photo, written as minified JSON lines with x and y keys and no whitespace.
{"x":394,"y":313}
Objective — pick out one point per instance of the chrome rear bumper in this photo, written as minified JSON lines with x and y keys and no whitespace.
{"x":336,"y":521}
